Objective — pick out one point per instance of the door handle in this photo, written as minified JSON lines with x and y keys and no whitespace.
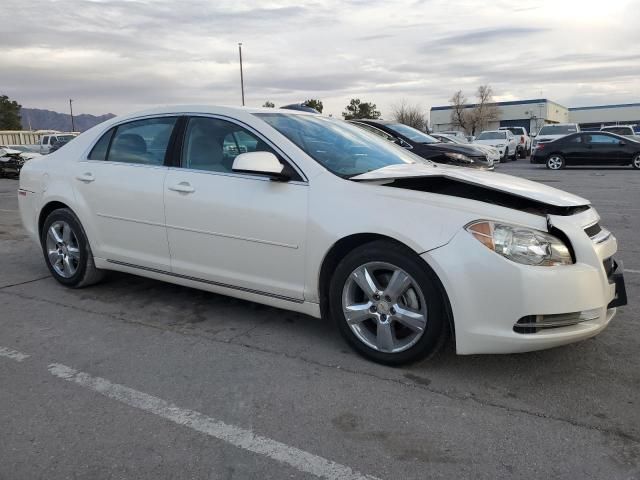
{"x":86,"y":177}
{"x":182,"y":187}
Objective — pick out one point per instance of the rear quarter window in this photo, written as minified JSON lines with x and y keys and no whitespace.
{"x":99,"y":151}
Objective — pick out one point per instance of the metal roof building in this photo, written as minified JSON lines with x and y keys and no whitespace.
{"x":533,"y":114}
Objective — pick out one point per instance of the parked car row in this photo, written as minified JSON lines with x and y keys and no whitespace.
{"x":426,"y":146}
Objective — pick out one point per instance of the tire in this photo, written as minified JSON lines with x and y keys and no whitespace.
{"x":515,"y":155}
{"x":380,"y":331}
{"x":71,"y":261}
{"x":635,"y":163}
{"x":505,"y":157}
{"x":523,"y":153}
{"x":555,"y":162}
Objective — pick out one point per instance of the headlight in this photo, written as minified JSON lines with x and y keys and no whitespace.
{"x":521,"y":244}
{"x":459,"y":157}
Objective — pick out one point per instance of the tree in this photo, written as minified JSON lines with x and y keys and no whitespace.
{"x":476,"y":117}
{"x":314,"y":103}
{"x":411,"y":115}
{"x":485,"y":109}
{"x":459,"y":113}
{"x":359,"y":109}
{"x":269,"y":104}
{"x":9,"y":114}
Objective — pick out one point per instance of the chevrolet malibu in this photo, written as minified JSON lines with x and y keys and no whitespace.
{"x":312,"y":214}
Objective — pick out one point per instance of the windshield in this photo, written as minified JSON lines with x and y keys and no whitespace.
{"x":340,"y":147}
{"x":557,"y":130}
{"x":412,"y":133}
{"x":492,"y":136}
{"x":458,"y":140}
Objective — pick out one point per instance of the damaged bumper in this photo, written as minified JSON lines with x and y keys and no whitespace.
{"x":500,"y":306}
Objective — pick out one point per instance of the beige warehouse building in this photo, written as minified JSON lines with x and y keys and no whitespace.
{"x":533,"y":114}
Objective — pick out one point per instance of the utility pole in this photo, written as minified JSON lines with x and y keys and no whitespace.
{"x":73,"y":128}
{"x":241,"y":76}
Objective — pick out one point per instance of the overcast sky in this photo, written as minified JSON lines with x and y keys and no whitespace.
{"x":120,"y":55}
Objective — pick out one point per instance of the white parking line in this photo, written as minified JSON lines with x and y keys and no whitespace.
{"x":631,"y":271}
{"x":13,"y":354}
{"x":237,"y":436}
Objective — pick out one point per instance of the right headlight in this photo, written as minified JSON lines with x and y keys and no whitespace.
{"x":521,"y":244}
{"x":459,"y":157}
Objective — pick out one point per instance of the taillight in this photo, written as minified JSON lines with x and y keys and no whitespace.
{"x":522,"y":139}
{"x":540,"y":146}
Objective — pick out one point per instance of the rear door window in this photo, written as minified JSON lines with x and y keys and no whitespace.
{"x":600,"y":139}
{"x":141,"y":141}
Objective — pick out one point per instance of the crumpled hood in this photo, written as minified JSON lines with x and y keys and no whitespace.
{"x":491,"y":180}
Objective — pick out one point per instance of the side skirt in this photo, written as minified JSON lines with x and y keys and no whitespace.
{"x":278,"y":301}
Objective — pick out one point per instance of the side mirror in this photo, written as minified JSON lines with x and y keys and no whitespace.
{"x":261,"y":163}
{"x":533,"y":135}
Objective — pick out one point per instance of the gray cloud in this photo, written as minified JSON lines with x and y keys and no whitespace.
{"x":121,"y":55}
{"x":475,"y":37}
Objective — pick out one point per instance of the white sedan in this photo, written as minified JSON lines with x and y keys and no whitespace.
{"x":503,"y":140}
{"x":315,"y":215}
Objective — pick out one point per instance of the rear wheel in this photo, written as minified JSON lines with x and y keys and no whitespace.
{"x":636,"y":161}
{"x":555,"y":162}
{"x":66,"y":250}
{"x":387,"y":304}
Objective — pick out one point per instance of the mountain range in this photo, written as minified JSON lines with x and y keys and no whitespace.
{"x":38,"y":119}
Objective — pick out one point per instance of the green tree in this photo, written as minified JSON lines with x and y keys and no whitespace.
{"x":314,"y":103}
{"x":359,"y":109}
{"x":9,"y":114}
{"x":269,"y":104}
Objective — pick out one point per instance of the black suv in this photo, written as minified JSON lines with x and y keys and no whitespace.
{"x":425,"y":145}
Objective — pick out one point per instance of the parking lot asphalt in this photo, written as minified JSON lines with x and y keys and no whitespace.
{"x":134,"y":378}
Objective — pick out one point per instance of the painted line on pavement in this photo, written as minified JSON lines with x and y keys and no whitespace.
{"x":13,"y":354}
{"x":631,"y":271}
{"x":237,"y":436}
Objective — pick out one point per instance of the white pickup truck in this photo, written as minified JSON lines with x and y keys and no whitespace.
{"x":47,"y":141}
{"x":551,"y":132}
{"x":522,"y":138}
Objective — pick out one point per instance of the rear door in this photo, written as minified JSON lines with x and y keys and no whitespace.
{"x":120,"y":184}
{"x":236,"y":230}
{"x":603,"y":149}
{"x":573,"y":149}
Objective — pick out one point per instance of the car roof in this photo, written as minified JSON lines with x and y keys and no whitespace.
{"x":211,"y":109}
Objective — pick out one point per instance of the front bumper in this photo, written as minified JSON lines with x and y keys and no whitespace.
{"x":490,"y":294}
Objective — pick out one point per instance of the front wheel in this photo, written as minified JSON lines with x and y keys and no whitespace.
{"x":387,"y":304}
{"x":555,"y":162}
{"x":636,"y":161}
{"x":66,"y":250}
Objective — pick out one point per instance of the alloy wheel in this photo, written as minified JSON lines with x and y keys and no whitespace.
{"x":63,"y":250}
{"x":384,"y":307}
{"x":555,"y":162}
{"x":636,"y":161}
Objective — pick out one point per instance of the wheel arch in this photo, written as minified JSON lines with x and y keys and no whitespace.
{"x":46,"y":210}
{"x":344,"y":246}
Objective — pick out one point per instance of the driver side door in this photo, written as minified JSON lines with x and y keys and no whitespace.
{"x":236,"y":230}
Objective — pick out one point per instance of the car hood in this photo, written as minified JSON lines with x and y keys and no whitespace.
{"x":492,"y":142}
{"x":519,"y":187}
{"x":549,"y":138}
{"x":451,"y":147}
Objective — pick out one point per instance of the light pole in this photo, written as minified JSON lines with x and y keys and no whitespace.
{"x":73,"y":128}
{"x":241,"y":75}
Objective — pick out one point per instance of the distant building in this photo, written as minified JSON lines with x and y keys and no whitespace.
{"x":533,"y":114}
